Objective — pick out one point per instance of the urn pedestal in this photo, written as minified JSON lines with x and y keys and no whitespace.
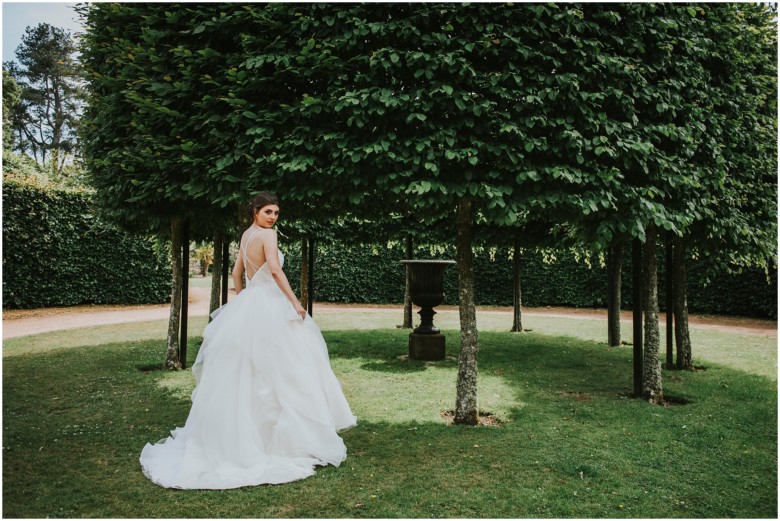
{"x":426,"y":288}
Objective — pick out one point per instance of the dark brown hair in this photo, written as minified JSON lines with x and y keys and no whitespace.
{"x":260,"y":200}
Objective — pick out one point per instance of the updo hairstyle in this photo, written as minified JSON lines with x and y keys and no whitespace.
{"x":260,"y":200}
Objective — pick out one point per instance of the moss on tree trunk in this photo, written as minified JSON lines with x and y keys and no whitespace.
{"x":652,"y":390}
{"x":172,"y":348}
{"x":466,"y":411}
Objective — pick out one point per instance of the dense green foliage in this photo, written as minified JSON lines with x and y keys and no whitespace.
{"x":600,"y":122}
{"x":594,"y":119}
{"x":56,"y":252}
{"x":12,"y":95}
{"x":571,"y":445}
{"x":738,"y":121}
{"x":372,"y":274}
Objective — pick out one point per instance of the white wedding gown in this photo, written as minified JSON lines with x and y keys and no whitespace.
{"x":266,"y":406}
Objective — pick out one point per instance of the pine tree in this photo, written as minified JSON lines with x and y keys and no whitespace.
{"x":46,"y":119}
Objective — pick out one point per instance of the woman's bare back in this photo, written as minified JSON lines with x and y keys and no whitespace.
{"x":253,"y":244}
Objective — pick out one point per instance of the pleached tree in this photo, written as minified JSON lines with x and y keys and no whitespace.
{"x":570,"y":118}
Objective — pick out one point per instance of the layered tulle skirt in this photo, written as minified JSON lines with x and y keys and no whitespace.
{"x":266,"y":407}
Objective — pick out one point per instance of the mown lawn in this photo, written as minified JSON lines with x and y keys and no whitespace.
{"x":572,"y":442}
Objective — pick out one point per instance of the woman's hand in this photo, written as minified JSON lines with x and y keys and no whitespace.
{"x":300,"y":310}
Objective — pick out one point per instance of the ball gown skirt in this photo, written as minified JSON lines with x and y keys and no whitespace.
{"x":266,"y":406}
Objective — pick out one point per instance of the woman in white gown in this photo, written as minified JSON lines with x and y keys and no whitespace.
{"x":266,"y":406}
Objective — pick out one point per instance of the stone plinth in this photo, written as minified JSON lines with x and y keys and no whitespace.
{"x":426,"y":346}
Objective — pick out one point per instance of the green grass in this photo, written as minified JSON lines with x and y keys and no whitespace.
{"x":572,"y":443}
{"x":197,"y":281}
{"x":753,"y":353}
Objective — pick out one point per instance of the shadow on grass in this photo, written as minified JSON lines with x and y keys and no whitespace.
{"x":148,"y":368}
{"x":406,"y":365}
{"x":575,"y":448}
{"x":559,"y":364}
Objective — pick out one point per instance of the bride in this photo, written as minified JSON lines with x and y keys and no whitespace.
{"x":266,"y":406}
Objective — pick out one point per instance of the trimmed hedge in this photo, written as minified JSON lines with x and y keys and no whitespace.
{"x":56,"y":252}
{"x":371,"y":274}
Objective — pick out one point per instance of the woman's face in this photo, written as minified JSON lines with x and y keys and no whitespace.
{"x":267,"y":216}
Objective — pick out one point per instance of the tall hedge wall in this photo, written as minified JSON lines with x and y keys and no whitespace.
{"x":57,"y":253}
{"x":371,"y":274}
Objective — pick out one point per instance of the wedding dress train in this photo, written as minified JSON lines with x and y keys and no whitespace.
{"x":266,"y":406}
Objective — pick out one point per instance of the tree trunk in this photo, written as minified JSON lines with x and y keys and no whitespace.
{"x":669,"y":243}
{"x":517,"y":321}
{"x":305,"y":273}
{"x":216,"y":273}
{"x":681,"y":332}
{"x":185,"y":289}
{"x":172,"y":348}
{"x":614,"y":280}
{"x":652,"y":390}
{"x":55,"y":121}
{"x":225,"y":269}
{"x":408,"y":252}
{"x":637,"y":299}
{"x":466,"y":411}
{"x":310,"y":277}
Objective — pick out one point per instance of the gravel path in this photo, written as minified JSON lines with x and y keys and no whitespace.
{"x":23,"y":322}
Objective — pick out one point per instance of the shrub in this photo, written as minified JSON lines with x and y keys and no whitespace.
{"x":372,"y":274}
{"x":56,"y":252}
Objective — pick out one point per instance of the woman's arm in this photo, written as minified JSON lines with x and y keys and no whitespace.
{"x":272,"y":258}
{"x":238,"y":272}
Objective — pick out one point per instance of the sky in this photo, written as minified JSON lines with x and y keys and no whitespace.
{"x":17,"y":16}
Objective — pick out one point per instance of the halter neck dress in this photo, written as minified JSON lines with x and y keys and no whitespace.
{"x":266,"y":408}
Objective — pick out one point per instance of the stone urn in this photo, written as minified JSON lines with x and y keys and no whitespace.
{"x":426,"y":288}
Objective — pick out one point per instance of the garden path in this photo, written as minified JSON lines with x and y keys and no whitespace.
{"x":21,"y":322}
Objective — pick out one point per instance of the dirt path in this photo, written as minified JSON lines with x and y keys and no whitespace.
{"x":23,"y":322}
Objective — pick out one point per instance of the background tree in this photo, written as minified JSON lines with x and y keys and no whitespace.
{"x":12,"y":96}
{"x":733,"y":212}
{"x":133,"y":137}
{"x":46,"y":120}
{"x":573,"y":119}
{"x":429,"y":107}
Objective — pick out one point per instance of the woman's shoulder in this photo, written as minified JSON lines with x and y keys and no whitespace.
{"x":258,"y":229}
{"x":254,"y":231}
